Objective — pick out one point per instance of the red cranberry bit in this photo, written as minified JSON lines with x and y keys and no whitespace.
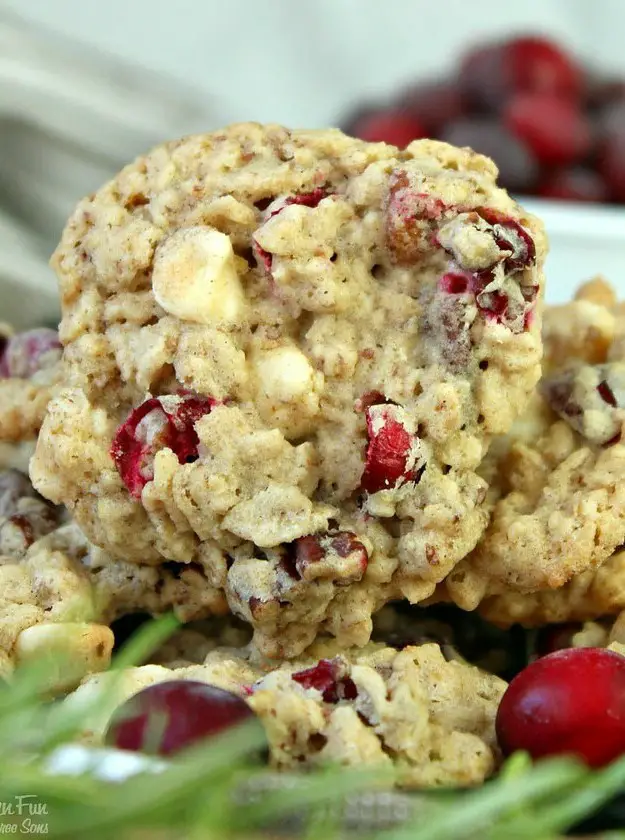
{"x":337,"y":555}
{"x":492,"y":305}
{"x":606,"y":394}
{"x":168,"y":717}
{"x":410,"y":219}
{"x":570,"y":702}
{"x":554,"y":129}
{"x":575,"y":184}
{"x":456,"y":283}
{"x":517,"y":168}
{"x":28,"y":352}
{"x":393,"y":454}
{"x":368,"y":399}
{"x":309,"y":199}
{"x":327,"y":678}
{"x":510,"y":236}
{"x":158,"y":423}
{"x":390,"y":126}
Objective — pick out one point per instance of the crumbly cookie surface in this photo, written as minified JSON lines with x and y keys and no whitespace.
{"x":285,"y":354}
{"x":561,"y":478}
{"x":431,"y":719}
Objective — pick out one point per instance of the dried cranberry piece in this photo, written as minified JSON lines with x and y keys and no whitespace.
{"x":368,"y":399}
{"x":158,"y":423}
{"x":393,"y":453}
{"x":606,"y":393}
{"x":510,"y":236}
{"x":456,"y":283}
{"x":28,"y":352}
{"x":586,"y":397}
{"x":567,"y":703}
{"x":327,"y":677}
{"x":336,"y":555}
{"x":493,"y":305}
{"x":309,"y":199}
{"x":410,"y":217}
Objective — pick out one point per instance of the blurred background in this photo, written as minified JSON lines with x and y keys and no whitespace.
{"x":538,"y":84}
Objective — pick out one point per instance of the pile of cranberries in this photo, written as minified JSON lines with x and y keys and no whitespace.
{"x":554,"y":128}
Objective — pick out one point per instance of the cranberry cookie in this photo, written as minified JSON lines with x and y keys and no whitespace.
{"x":58,"y":592}
{"x":430,"y":719}
{"x":561,"y":480}
{"x":30,"y":368}
{"x":285,"y":355}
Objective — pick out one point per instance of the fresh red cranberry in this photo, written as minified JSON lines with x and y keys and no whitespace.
{"x":327,"y":677}
{"x":433,"y":104}
{"x":168,"y":717}
{"x":574,"y":184}
{"x":529,"y":64}
{"x":393,"y":454}
{"x":517,"y":167}
{"x":308,"y":199}
{"x":158,"y":423}
{"x":28,"y":352}
{"x":555,"y":129}
{"x":392,"y":126}
{"x":341,"y":552}
{"x":569,"y":702}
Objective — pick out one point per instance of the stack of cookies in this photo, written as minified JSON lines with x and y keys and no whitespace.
{"x":299,"y":403}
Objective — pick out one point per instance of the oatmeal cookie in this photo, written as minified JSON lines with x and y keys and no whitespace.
{"x":561,"y":481}
{"x":432,"y":720}
{"x":285,"y":353}
{"x":58,"y":592}
{"x":30,"y":370}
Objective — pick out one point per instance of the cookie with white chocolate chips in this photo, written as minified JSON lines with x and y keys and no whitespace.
{"x":411,"y":710}
{"x":560,"y":481}
{"x":58,"y":592}
{"x":285,"y":354}
{"x":30,"y":369}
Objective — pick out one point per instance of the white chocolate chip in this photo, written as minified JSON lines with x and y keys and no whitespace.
{"x":287,"y":388}
{"x":80,"y":649}
{"x":195,"y":279}
{"x":284,"y":374}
